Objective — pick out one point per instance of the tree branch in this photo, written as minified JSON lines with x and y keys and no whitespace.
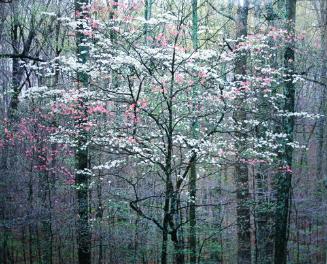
{"x":20,"y":56}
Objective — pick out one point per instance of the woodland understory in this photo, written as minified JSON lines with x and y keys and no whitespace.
{"x":163,"y":131}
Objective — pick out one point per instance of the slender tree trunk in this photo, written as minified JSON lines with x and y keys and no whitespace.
{"x":263,"y":218}
{"x":284,"y":182}
{"x":322,"y":163}
{"x":263,"y":214}
{"x":18,"y":47}
{"x":17,"y":75}
{"x":321,"y":126}
{"x":17,"y":70}
{"x":147,"y":16}
{"x":111,"y":17}
{"x":165,"y":229}
{"x":30,"y":203}
{"x":178,"y":247}
{"x":46,"y":225}
{"x":321,"y":10}
{"x":99,"y":216}
{"x":164,"y":236}
{"x":241,"y":169}
{"x":169,"y":185}
{"x":166,"y":207}
{"x":174,"y":221}
{"x":194,"y":131}
{"x":81,"y":156}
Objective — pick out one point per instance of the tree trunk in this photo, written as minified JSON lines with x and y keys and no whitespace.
{"x":169,"y":186}
{"x":178,"y":247}
{"x":81,"y":156}
{"x":241,"y":170}
{"x":165,"y":229}
{"x":147,"y":16}
{"x":17,"y":71}
{"x":284,"y":182}
{"x":263,"y":215}
{"x":194,"y":131}
{"x":46,"y":225}
{"x":25,"y":46}
{"x":321,"y":126}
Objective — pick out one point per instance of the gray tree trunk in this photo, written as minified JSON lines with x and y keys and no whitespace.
{"x":241,"y":170}
{"x":284,"y":182}
{"x":81,"y":156}
{"x":194,"y":131}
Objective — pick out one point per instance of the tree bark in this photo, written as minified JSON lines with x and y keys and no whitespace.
{"x":169,"y":186}
{"x":264,"y":212}
{"x":321,"y":126}
{"x":81,"y":156}
{"x":17,"y":70}
{"x":241,"y":170}
{"x":147,"y":16}
{"x":194,"y":131}
{"x":321,"y":10}
{"x":46,"y":219}
{"x":284,"y":182}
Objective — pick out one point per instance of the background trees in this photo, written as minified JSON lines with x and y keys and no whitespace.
{"x":162,"y":132}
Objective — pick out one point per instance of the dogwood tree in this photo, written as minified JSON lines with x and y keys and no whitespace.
{"x":140,"y":101}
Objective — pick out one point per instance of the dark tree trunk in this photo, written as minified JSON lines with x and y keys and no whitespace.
{"x":164,"y":238}
{"x":194,"y":131}
{"x":167,"y":214}
{"x":264,"y":214}
{"x":241,"y":169}
{"x":178,"y":247}
{"x":264,"y":232}
{"x":99,"y":216}
{"x":284,"y":182}
{"x":81,"y":156}
{"x":46,"y":219}
{"x":147,"y":16}
{"x":321,"y":126}
{"x":17,"y":70}
{"x":169,"y":187}
{"x":22,"y":49}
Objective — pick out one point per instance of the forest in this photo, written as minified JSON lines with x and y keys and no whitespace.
{"x":163,"y":131}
